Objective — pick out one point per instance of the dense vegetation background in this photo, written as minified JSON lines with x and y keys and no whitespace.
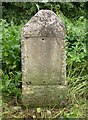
{"x":74,"y":17}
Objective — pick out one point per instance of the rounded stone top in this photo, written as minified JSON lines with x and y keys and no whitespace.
{"x":44,"y":23}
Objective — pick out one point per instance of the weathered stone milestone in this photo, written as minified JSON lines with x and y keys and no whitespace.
{"x":43,"y":60}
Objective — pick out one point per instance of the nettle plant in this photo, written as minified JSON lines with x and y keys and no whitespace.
{"x":11,"y":57}
{"x":77,"y":66}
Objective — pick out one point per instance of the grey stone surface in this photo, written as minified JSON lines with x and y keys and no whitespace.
{"x":44,"y":95}
{"x":44,"y":23}
{"x":43,"y":58}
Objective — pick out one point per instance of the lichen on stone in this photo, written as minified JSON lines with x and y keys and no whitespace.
{"x":44,"y":23}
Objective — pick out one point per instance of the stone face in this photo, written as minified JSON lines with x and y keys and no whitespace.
{"x":44,"y":23}
{"x":46,"y":95}
{"x":43,"y":59}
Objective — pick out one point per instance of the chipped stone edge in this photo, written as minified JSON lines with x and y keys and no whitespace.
{"x":55,"y":25}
